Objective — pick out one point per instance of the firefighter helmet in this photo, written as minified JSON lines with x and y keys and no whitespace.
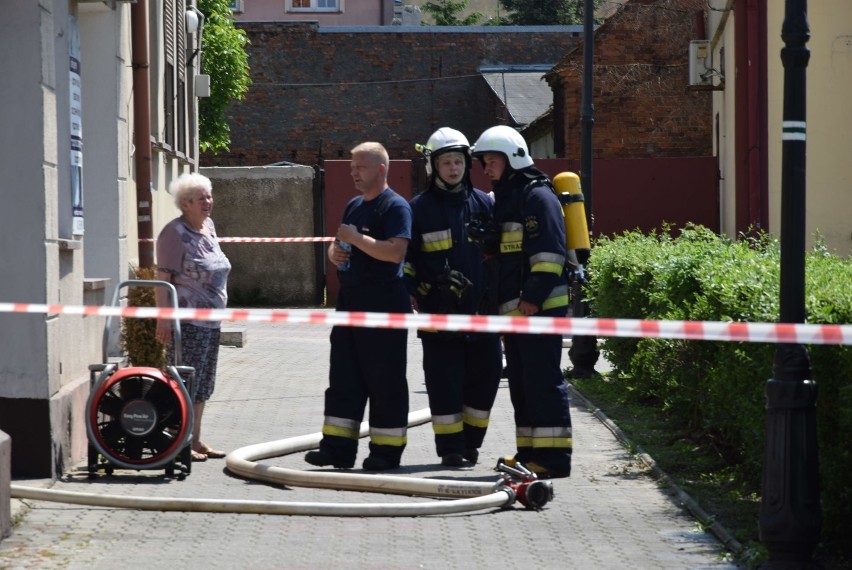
{"x":507,"y":141}
{"x":444,"y":140}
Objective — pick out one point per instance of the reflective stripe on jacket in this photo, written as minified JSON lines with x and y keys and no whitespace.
{"x":532,"y":243}
{"x":439,"y":240}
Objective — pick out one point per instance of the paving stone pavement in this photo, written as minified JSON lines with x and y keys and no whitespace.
{"x":610,"y":513}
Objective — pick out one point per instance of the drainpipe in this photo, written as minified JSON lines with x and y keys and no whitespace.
{"x":750,"y":108}
{"x":193,"y":66}
{"x":142,"y":131}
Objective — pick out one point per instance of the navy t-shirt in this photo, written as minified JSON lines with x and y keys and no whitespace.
{"x":384,"y":217}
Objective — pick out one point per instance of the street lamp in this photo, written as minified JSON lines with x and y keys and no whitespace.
{"x":790,"y":519}
{"x":584,"y":349}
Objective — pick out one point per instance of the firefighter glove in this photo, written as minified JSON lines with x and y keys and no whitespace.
{"x":455,"y":283}
{"x":485,"y":233}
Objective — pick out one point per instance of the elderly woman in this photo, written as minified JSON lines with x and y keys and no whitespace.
{"x":189,"y":257}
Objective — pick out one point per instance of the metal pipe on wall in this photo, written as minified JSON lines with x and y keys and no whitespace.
{"x":142,"y":131}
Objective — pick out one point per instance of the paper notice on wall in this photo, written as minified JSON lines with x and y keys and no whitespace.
{"x":76,"y":131}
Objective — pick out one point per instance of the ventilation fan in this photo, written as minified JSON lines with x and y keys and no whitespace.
{"x":140,"y":417}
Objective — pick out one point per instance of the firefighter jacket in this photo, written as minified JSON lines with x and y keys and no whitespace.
{"x":439,"y":245}
{"x":532,"y":252}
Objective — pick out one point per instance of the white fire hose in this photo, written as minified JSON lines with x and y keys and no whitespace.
{"x":467,"y":495}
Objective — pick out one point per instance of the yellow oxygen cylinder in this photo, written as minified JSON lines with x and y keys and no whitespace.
{"x":567,"y":186}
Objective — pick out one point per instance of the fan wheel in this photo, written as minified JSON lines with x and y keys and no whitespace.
{"x":139,"y":418}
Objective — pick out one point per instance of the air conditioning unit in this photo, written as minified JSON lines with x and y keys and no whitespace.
{"x":699,"y":62}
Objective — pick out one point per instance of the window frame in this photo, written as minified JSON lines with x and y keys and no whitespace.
{"x":314,"y":9}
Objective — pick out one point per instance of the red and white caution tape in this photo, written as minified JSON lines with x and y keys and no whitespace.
{"x":264,"y":239}
{"x":631,"y":328}
{"x":273,"y":239}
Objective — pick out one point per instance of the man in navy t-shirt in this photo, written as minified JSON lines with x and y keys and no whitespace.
{"x":368,"y":363}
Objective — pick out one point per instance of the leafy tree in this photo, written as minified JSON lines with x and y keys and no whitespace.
{"x":225,"y":60}
{"x":446,"y":12}
{"x":544,"y":12}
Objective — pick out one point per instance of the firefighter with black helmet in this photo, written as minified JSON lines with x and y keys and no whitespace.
{"x":528,"y":242}
{"x":444,"y":274}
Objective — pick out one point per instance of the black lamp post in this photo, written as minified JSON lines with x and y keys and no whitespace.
{"x":584,"y":349}
{"x":790,"y":519}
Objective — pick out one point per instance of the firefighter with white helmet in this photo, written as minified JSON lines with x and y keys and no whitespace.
{"x":527,"y":242}
{"x":444,"y":274}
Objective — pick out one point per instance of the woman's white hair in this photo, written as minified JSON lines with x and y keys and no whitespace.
{"x":184,"y":186}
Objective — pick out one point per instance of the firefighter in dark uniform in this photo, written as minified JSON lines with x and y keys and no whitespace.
{"x":368,"y":363}
{"x":444,"y":274}
{"x":531,"y":279}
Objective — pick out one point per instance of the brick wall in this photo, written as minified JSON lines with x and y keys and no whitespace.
{"x":326,"y":89}
{"x":642,"y":106}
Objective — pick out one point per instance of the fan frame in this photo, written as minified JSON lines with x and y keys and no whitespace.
{"x":112,"y":376}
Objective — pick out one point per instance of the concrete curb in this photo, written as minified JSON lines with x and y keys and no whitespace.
{"x":5,"y":481}
{"x":691,"y":504}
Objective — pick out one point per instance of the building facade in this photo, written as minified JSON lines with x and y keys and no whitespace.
{"x":324,"y":12}
{"x":71,"y":158}
{"x":318,"y":91}
{"x":744,"y":63}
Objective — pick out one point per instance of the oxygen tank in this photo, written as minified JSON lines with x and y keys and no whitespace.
{"x":567,"y":186}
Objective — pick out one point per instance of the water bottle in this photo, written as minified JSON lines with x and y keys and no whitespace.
{"x":346,"y":247}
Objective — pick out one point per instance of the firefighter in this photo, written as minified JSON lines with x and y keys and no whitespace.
{"x":444,"y":274}
{"x":368,"y":363}
{"x":527,"y":240}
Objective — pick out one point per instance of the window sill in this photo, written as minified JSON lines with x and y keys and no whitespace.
{"x":69,"y":244}
{"x":96,"y":283}
{"x":178,"y":155}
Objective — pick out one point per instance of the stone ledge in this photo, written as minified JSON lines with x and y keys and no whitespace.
{"x":5,"y":481}
{"x":96,"y":283}
{"x":233,"y":336}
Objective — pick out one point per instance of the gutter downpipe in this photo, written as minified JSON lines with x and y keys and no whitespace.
{"x":750,"y":108}
{"x":142,"y":131}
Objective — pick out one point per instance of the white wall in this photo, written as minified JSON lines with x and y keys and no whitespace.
{"x":28,"y":223}
{"x":829,"y":121}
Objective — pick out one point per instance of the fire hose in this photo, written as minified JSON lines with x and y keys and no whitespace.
{"x":514,"y":484}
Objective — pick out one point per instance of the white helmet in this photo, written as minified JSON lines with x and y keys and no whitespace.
{"x":444,"y":140}
{"x":507,"y":141}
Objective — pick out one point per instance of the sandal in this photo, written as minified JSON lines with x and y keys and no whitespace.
{"x":209,"y":452}
{"x":197,"y":456}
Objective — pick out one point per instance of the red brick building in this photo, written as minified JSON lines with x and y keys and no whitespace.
{"x":643,"y":106}
{"x":318,"y":91}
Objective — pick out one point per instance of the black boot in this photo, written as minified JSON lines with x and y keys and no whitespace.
{"x":322,"y":458}
{"x":377,"y":463}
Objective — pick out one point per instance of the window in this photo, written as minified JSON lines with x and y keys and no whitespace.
{"x":314,"y":5}
{"x":174,"y":127}
{"x":236,"y":6}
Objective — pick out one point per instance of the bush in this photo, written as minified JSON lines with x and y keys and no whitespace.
{"x":715,"y":390}
{"x":139,"y":336}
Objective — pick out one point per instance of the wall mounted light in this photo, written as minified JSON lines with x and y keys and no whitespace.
{"x":194,"y":23}
{"x":191,"y":21}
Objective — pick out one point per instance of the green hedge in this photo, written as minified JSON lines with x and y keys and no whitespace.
{"x":717,"y":388}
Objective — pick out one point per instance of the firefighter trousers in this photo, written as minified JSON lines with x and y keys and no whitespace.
{"x":539,"y":396}
{"x":462,"y":374}
{"x":368,"y":364}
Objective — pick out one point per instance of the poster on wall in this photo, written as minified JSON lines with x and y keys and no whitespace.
{"x":76,"y":131}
